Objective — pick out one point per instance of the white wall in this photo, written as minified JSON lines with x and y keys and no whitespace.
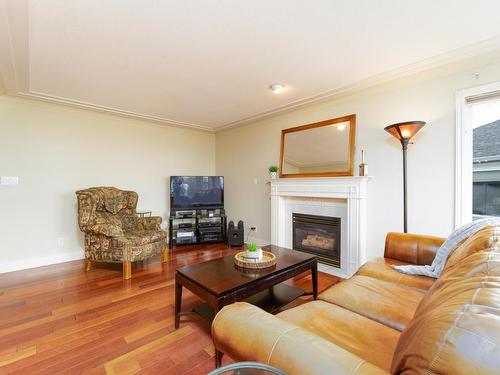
{"x":56,"y":150}
{"x":244,"y":153}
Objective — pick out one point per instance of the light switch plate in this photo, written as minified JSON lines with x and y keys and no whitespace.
{"x":9,"y":180}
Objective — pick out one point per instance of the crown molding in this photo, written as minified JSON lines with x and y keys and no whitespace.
{"x":458,"y":54}
{"x":104,"y":109}
{"x":14,"y":63}
{"x":15,"y":66}
{"x":407,"y":70}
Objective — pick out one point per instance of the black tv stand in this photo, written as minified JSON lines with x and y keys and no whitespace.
{"x":196,"y":225}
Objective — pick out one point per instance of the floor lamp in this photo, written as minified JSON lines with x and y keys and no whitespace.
{"x":404,"y":132}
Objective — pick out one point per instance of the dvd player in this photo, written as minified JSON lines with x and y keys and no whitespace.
{"x":185,"y":240}
{"x":183,"y":234}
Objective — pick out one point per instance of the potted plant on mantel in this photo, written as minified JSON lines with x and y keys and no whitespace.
{"x":273,"y":171}
{"x":253,"y":251}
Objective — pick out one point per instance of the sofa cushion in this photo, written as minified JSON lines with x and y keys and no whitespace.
{"x":369,"y":340}
{"x":481,"y":240}
{"x":412,"y":248}
{"x":145,"y":236}
{"x":247,"y":333}
{"x":456,"y":328}
{"x":128,"y":222}
{"x":381,"y":268}
{"x":107,"y":229}
{"x":383,"y":301}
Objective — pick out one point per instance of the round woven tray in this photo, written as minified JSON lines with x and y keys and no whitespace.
{"x":268,"y":260}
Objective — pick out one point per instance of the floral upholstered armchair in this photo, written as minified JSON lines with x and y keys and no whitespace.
{"x":114,"y":232}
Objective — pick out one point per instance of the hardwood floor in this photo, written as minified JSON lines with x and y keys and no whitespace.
{"x":62,"y":320}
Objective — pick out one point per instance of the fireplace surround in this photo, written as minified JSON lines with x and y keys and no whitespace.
{"x":343,"y":197}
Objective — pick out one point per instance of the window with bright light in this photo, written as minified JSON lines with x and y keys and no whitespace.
{"x":486,"y":159}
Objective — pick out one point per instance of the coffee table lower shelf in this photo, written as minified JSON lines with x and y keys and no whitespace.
{"x":270,"y":300}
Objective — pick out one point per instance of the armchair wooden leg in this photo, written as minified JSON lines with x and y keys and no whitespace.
{"x":127,"y":270}
{"x":88,"y":264}
{"x":164,"y":255}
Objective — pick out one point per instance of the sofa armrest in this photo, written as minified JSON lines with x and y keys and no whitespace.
{"x":106,"y":229}
{"x":151,"y":222}
{"x":412,"y":248}
{"x":247,"y":333}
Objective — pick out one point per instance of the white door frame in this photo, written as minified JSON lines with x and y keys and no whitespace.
{"x":463,"y":151}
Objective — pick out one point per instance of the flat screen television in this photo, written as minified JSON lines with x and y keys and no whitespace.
{"x":196,"y":191}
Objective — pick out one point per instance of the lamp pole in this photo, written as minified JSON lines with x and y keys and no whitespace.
{"x":404,"y":131}
{"x":404,"y":143}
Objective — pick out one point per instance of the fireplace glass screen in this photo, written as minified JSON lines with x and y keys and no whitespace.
{"x":318,"y":235}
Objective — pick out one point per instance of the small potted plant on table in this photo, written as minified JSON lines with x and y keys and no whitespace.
{"x":253,"y":251}
{"x":273,"y":171}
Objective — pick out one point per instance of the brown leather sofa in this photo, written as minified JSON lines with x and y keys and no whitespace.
{"x":381,"y":321}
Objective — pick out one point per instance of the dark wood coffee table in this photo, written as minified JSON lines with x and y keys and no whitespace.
{"x":219,"y":282}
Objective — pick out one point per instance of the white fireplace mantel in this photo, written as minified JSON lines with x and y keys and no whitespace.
{"x":343,"y":196}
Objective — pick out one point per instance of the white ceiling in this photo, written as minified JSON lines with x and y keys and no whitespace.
{"x":208,"y":64}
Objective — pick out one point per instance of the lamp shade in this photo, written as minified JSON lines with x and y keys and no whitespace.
{"x":404,"y":131}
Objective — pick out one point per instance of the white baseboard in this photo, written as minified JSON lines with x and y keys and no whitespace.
{"x":24,"y":264}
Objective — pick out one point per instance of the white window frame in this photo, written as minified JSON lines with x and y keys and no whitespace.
{"x":463,"y":151}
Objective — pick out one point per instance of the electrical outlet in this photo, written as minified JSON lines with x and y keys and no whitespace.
{"x":9,"y":180}
{"x":60,"y":241}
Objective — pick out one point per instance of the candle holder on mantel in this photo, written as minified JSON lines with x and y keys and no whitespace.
{"x":363,"y":167}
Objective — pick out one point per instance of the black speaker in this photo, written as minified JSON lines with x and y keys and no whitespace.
{"x":235,"y":235}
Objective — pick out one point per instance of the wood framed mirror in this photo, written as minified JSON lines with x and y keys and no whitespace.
{"x":321,"y":149}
